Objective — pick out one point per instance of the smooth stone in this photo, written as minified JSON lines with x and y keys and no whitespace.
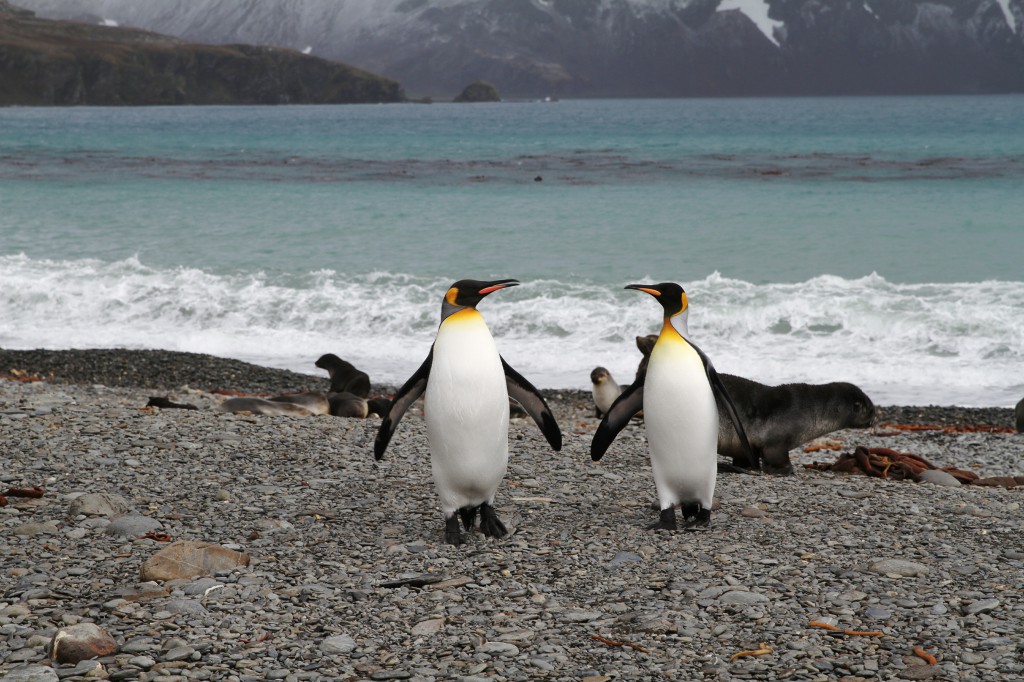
{"x":580,"y":616}
{"x":972,"y":658}
{"x":981,"y":606}
{"x":132,"y":525}
{"x":939,"y":477}
{"x":875,"y":613}
{"x":31,"y":673}
{"x":80,"y":642}
{"x":144,"y":662}
{"x":189,"y":606}
{"x":391,"y":675}
{"x":201,"y":587}
{"x":36,"y":528}
{"x":621,"y":558}
{"x":920,"y":672}
{"x":427,"y":627}
{"x":899,"y":567}
{"x":753,"y":513}
{"x":179,"y":653}
{"x":499,"y":648}
{"x":88,"y":669}
{"x":742,"y":597}
{"x":188,"y":559}
{"x":98,"y":504}
{"x":338,"y":644}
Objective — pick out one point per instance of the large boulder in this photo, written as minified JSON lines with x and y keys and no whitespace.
{"x":1019,"y":412}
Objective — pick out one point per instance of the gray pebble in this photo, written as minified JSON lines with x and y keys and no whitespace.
{"x":938,"y":477}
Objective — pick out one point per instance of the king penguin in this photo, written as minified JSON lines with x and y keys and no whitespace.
{"x":677,"y":395}
{"x":467,"y":386}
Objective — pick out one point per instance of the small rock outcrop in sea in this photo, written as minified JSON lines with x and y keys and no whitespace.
{"x":479,"y":91}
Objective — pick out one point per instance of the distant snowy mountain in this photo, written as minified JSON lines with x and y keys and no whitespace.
{"x":535,"y":48}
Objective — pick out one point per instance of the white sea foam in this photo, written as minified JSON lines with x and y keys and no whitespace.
{"x":903,"y":343}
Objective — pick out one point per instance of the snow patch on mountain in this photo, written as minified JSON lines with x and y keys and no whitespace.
{"x":757,"y":11}
{"x":1010,"y":19}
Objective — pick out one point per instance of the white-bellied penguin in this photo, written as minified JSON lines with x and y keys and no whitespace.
{"x":677,"y":395}
{"x":467,"y":385}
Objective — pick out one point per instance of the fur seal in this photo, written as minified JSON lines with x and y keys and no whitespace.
{"x":604,"y":389}
{"x":165,"y":403}
{"x":780,"y":418}
{"x":317,"y":403}
{"x":1019,"y":413}
{"x":262,"y":406}
{"x":345,"y":378}
{"x":347,"y":405}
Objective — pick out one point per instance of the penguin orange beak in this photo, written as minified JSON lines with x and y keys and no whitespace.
{"x":500,"y":284}
{"x":643,"y":288}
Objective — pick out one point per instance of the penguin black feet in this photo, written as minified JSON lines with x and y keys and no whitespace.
{"x":452,"y":536}
{"x":667,"y":520}
{"x":490,"y":524}
{"x":468,"y":515}
{"x":695,"y":516}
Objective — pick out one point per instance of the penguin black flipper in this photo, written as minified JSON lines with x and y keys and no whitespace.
{"x":720,"y":391}
{"x":524,"y":393}
{"x":410,"y":391}
{"x":629,"y":402}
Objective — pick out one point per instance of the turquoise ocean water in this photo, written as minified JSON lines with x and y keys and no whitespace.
{"x":874,"y":240}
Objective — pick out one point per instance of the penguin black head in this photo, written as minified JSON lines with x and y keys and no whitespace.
{"x":466,"y":293}
{"x":669,"y":294}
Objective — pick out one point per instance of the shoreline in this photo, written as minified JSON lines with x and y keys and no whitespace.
{"x":349,"y":577}
{"x":173,"y":370}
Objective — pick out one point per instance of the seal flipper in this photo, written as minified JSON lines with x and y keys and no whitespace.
{"x":412,"y":389}
{"x":629,"y":402}
{"x":524,"y":393}
{"x":722,"y":392}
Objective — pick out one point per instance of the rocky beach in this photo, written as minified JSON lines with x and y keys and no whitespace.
{"x":305,"y":559}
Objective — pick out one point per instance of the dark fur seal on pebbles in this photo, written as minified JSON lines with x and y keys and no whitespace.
{"x":780,"y":418}
{"x":165,"y":403}
{"x":345,"y":378}
{"x":347,"y":405}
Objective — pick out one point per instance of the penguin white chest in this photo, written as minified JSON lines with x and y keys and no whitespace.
{"x":681,"y":420}
{"x":466,"y":413}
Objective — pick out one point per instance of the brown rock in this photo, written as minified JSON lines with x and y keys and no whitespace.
{"x":81,"y":642}
{"x":186,"y":559}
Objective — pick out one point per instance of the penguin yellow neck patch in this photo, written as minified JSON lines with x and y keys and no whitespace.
{"x":464,"y":315}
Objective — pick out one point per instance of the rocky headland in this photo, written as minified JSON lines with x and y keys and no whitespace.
{"x":47,"y":62}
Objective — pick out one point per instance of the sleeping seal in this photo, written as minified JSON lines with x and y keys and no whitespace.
{"x":345,"y":378}
{"x":780,"y":418}
{"x":317,"y":403}
{"x":262,"y":406}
